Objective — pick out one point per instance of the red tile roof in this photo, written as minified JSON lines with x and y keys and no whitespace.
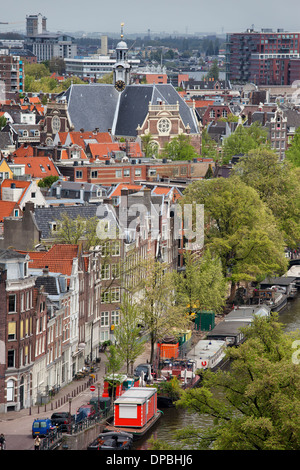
{"x":166,"y":191}
{"x":59,"y":259}
{"x":119,"y":187}
{"x":101,"y":150}
{"x":37,"y":167}
{"x":7,"y":209}
{"x":23,"y":151}
{"x":201,"y":103}
{"x":18,"y":184}
{"x":78,"y":138}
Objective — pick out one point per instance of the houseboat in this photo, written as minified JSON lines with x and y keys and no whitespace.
{"x":273,"y":297}
{"x":285,"y":285}
{"x":247,"y":313}
{"x":228,"y":331}
{"x":208,"y":354}
{"x":135,"y":411}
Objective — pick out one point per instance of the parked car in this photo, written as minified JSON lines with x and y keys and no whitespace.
{"x":42,"y":427}
{"x":62,"y":420}
{"x":85,"y":411}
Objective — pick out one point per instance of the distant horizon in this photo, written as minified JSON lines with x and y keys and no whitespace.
{"x":161,"y":17}
{"x":83,"y":33}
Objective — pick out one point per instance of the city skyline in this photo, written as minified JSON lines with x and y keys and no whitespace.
{"x":162,"y":16}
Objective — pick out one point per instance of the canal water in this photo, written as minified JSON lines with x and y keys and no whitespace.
{"x":174,"y":419}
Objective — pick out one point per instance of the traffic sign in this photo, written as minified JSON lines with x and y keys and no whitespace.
{"x":92,"y":388}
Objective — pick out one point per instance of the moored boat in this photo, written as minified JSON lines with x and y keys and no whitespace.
{"x":135,"y":411}
{"x":112,"y":441}
{"x":208,"y":354}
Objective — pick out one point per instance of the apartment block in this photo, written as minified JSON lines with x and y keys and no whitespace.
{"x":11,"y":74}
{"x":264,"y":58}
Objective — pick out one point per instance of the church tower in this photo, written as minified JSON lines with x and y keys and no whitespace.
{"x":122,"y":67}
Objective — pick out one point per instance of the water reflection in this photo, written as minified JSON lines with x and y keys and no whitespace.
{"x":174,"y":419}
{"x":290,"y":316}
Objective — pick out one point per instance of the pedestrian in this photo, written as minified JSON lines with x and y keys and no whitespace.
{"x":37,"y":442}
{"x":2,"y":442}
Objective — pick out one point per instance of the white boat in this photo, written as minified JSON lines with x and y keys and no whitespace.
{"x":208,"y":354}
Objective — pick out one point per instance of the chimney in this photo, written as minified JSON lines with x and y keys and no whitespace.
{"x":82,"y":192}
{"x":58,"y":190}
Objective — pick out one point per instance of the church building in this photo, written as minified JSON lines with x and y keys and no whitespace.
{"x":126,"y":110}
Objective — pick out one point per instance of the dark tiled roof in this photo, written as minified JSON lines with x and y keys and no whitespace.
{"x":11,"y":254}
{"x":92,"y":106}
{"x":49,"y":283}
{"x":45,"y":215}
{"x":101,"y":106}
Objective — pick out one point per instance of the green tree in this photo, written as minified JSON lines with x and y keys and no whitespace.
{"x":113,"y":366}
{"x":108,"y":78}
{"x":239,"y":228}
{"x":256,"y":404}
{"x":278,"y":186}
{"x":37,"y":71}
{"x":3,"y":121}
{"x":179,"y":148}
{"x":149,"y":147}
{"x":209,"y":146}
{"x":214,"y":71}
{"x":293,"y":152}
{"x":47,"y":181}
{"x":127,"y":333}
{"x":243,"y":140}
{"x":71,"y":231}
{"x":159,"y":313}
{"x":202,"y":285}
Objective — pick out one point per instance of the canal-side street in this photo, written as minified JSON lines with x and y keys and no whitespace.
{"x":175,"y":419}
{"x":17,"y":425}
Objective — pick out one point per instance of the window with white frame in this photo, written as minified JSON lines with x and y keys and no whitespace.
{"x":104,"y":318}
{"x":105,"y":297}
{"x":115,"y":294}
{"x":105,"y":270}
{"x":104,"y":335}
{"x":12,"y":303}
{"x":115,"y":270}
{"x":115,"y":248}
{"x":115,"y":317}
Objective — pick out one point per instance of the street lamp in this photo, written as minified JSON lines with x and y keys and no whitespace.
{"x":70,"y":421}
{"x":98,"y":387}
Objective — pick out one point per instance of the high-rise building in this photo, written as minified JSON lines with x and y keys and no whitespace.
{"x":264,"y":58}
{"x":44,"y":44}
{"x":11,"y":74}
{"x":35,"y":24}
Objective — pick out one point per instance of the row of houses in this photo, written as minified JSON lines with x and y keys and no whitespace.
{"x":60,"y":302}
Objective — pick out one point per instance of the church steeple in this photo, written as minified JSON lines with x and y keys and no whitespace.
{"x":121,"y":67}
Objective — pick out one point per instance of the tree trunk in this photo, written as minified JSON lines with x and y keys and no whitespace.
{"x":232,"y":291}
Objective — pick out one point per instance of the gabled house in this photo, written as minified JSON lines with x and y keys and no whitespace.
{"x":36,"y":168}
{"x":22,"y":192}
{"x":22,"y":331}
{"x":69,"y":192}
{"x":5,"y":170}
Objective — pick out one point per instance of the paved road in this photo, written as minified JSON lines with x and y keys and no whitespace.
{"x":17,"y":428}
{"x":16,"y":425}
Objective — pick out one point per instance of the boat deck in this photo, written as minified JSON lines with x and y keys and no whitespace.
{"x":137,"y":432}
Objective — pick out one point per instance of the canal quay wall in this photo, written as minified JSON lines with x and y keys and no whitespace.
{"x":82,"y":439}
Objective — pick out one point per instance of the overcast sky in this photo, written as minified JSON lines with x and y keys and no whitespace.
{"x":220,"y":16}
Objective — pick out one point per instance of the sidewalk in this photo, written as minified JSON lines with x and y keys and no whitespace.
{"x":74,"y":389}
